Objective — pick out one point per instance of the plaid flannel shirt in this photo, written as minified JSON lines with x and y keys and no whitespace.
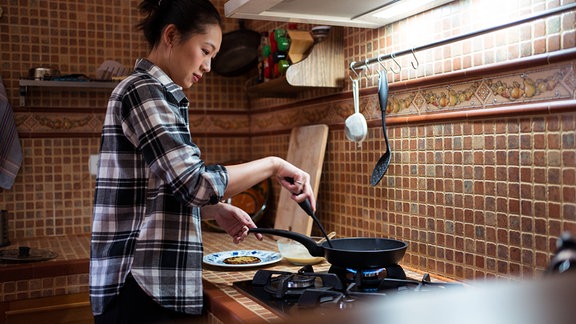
{"x":150,"y":186}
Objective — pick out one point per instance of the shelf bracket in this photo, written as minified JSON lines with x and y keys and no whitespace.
{"x":23,"y":93}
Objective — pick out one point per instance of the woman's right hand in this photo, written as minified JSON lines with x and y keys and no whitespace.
{"x":297,"y":182}
{"x":245,"y":175}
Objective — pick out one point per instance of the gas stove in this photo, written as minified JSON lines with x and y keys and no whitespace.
{"x":341,"y":289}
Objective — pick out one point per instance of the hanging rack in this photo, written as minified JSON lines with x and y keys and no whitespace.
{"x":354,"y":66}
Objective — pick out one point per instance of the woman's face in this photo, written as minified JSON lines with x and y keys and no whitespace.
{"x":188,"y":60}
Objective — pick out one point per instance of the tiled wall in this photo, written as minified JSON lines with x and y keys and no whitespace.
{"x":470,"y":206}
{"x":480,"y":186}
{"x":473,"y":198}
{"x":59,"y":127}
{"x":53,"y":192}
{"x":482,"y":179}
{"x":77,"y":37}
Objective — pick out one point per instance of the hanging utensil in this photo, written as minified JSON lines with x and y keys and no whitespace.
{"x":382,"y":165}
{"x":356,"y":126}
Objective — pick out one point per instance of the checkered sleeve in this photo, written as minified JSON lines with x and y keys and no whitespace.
{"x":156,"y":123}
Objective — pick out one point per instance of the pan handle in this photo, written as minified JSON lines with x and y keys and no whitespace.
{"x":310,"y":244}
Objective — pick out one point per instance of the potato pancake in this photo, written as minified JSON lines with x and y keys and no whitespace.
{"x":246,"y":259}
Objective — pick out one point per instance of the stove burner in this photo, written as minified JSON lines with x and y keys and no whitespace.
{"x":368,"y":279}
{"x":299,"y":281}
{"x":283,"y":284}
{"x":289,"y":284}
{"x":338,"y":289}
{"x":378,"y":273}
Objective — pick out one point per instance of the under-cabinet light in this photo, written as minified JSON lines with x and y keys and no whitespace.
{"x":403,"y":8}
{"x":399,"y":10}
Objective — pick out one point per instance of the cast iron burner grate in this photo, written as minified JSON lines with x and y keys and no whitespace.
{"x":286,"y":292}
{"x":285,"y":284}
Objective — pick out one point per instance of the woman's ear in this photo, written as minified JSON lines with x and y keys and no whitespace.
{"x":169,"y":35}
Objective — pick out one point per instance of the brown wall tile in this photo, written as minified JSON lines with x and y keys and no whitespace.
{"x":479,"y":189}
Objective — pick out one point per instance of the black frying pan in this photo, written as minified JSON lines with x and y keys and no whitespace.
{"x":238,"y":52}
{"x":354,"y":253}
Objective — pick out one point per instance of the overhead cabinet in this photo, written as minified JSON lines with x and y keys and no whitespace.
{"x":351,"y":13}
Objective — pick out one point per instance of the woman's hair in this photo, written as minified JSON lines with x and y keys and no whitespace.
{"x":189,"y":16}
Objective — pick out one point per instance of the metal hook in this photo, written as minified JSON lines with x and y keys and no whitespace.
{"x":354,"y":70}
{"x":366,"y":68}
{"x":369,"y":69}
{"x":379,"y":59}
{"x":415,"y":59}
{"x":393,"y":56}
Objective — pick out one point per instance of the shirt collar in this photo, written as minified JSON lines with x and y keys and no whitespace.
{"x":145,"y":66}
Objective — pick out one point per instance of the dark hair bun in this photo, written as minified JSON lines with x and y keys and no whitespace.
{"x":189,"y":16}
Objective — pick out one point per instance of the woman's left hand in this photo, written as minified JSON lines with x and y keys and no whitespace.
{"x":235,"y":221}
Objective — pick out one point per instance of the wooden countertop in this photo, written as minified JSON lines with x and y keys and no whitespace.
{"x":73,"y":258}
{"x":222,"y":299}
{"x":220,"y":293}
{"x":233,"y":306}
{"x":547,"y":300}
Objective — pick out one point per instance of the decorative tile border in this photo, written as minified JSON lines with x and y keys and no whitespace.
{"x":551,"y":83}
{"x":48,"y":122}
{"x":523,"y":87}
{"x":33,"y":123}
{"x":429,"y":97}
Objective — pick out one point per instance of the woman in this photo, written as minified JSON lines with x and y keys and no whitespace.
{"x":152,"y":187}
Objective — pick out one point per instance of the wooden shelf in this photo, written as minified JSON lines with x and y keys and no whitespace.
{"x":69,"y":84}
{"x":63,"y":85}
{"x":322,"y":68}
{"x":274,"y":88}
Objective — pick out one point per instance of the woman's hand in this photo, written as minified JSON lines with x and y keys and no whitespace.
{"x":297,"y":182}
{"x":231,"y":219}
{"x":245,"y":175}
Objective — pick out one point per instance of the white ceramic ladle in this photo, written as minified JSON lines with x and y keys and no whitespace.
{"x":356,"y":126}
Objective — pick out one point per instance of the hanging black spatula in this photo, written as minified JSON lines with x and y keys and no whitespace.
{"x":382,"y":165}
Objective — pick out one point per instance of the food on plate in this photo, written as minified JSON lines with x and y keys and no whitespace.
{"x":243,"y":259}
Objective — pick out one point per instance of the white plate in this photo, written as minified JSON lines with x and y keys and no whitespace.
{"x":266,"y":257}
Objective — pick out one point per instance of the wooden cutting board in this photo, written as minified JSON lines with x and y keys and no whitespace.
{"x":306,"y":151}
